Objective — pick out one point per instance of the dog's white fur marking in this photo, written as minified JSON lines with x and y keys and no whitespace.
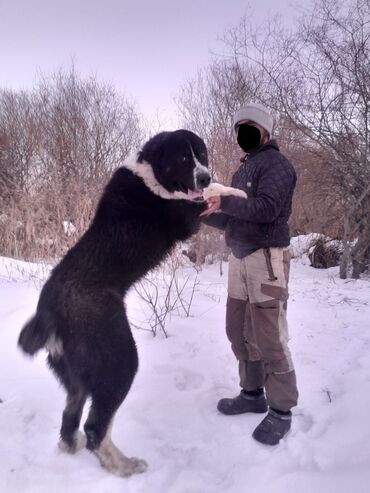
{"x":54,"y":346}
{"x":199,"y":168}
{"x":112,"y":459}
{"x":79,"y":440}
{"x":146,"y":173}
{"x":216,"y":189}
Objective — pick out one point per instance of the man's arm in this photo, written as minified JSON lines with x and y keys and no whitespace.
{"x":274,"y":187}
{"x":217,"y":220}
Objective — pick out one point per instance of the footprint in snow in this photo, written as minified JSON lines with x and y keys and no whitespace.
{"x":303,"y":421}
{"x":188,"y":380}
{"x":183,"y":378}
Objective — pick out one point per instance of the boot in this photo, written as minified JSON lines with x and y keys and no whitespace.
{"x":243,"y":403}
{"x":273,"y":427}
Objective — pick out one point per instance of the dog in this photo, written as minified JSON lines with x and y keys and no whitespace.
{"x":153,"y":201}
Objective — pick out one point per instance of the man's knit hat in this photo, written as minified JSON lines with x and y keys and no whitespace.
{"x":255,"y":113}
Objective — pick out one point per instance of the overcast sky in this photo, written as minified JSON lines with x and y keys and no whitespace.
{"x":145,"y":48}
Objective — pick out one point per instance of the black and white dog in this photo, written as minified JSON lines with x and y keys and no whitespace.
{"x":150,"y":203}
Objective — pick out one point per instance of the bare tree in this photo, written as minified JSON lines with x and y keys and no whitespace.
{"x":87,"y":129}
{"x":166,"y":291}
{"x":59,"y":144}
{"x":318,"y":78}
{"x":19,"y":130}
{"x":207,"y":104}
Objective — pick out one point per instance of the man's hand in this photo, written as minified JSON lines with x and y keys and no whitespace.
{"x":214,"y":204}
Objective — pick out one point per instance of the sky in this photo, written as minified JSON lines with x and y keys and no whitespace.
{"x":145,"y":49}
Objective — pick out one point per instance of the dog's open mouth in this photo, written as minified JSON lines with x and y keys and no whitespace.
{"x":190,"y":194}
{"x":195,"y":194}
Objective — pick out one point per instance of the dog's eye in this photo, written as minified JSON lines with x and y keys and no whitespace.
{"x":184,"y":158}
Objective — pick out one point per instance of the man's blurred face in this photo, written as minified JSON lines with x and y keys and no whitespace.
{"x":250,"y":135}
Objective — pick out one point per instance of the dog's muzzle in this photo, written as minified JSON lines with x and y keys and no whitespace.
{"x":202,"y":179}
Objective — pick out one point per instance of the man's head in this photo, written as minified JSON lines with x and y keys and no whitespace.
{"x":253,"y":124}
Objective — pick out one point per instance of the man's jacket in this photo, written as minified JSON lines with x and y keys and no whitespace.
{"x":261,"y":220}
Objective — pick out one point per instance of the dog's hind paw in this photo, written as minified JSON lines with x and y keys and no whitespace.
{"x":139,"y":465}
{"x":79,"y":442}
{"x":114,"y":461}
{"x":126,"y":466}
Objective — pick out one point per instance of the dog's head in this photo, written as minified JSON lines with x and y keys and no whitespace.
{"x":179,"y":161}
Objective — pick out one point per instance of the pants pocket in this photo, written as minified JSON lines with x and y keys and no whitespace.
{"x":275,"y":292}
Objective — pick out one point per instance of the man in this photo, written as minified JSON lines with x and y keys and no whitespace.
{"x":256,"y":230}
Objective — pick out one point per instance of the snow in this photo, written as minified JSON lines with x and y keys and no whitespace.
{"x":170,"y":417}
{"x":69,"y":228}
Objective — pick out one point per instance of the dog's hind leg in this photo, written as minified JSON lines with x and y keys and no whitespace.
{"x":71,"y":439}
{"x":98,"y":429}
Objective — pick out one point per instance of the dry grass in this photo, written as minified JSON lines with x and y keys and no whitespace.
{"x":31,"y":224}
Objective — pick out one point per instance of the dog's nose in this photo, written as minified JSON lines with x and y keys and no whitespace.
{"x":203,"y":180}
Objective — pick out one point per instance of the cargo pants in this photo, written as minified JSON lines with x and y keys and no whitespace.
{"x":256,"y":324}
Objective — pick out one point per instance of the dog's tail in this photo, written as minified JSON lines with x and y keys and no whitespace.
{"x":36,"y":332}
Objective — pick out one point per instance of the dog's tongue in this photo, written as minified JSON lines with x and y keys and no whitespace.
{"x":194,"y":195}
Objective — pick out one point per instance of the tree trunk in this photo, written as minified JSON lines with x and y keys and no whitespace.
{"x":343,"y":269}
{"x":359,"y":254}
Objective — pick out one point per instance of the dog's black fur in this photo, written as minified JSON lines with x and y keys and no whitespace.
{"x":80,"y":315}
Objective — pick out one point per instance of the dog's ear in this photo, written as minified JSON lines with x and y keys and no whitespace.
{"x":153,"y":149}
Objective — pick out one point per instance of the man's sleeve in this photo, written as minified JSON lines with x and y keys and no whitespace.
{"x":217,"y":220}
{"x":274,"y":186}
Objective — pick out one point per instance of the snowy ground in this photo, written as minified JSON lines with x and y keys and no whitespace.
{"x":170,"y":417}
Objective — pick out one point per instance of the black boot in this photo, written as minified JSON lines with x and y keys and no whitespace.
{"x":245,"y":402}
{"x":273,"y":428}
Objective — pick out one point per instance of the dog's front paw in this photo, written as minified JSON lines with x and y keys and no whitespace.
{"x":216,"y":190}
{"x":213,"y":190}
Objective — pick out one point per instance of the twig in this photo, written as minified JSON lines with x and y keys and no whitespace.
{"x":328,"y":393}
